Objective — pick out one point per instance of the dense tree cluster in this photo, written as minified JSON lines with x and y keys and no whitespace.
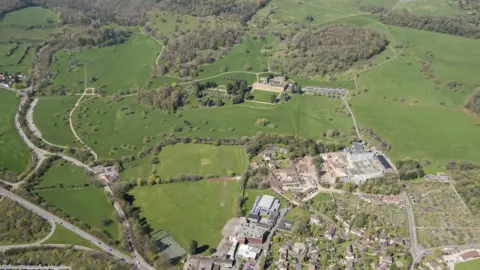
{"x":297,"y":147}
{"x":467,"y":183}
{"x":387,"y":185}
{"x":201,"y":46}
{"x":76,"y":259}
{"x":239,"y":90}
{"x":458,"y":26}
{"x":19,"y":225}
{"x":327,"y":50}
{"x":473,"y":102}
{"x":234,"y":9}
{"x":127,"y":12}
{"x":409,"y":169}
{"x":166,"y":98}
{"x":91,"y":36}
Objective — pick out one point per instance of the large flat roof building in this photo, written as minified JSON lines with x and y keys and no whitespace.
{"x":265,"y":205}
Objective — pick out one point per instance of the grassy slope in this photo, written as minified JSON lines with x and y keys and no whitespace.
{"x":9,"y":63}
{"x":191,"y":159}
{"x":202,"y":160}
{"x":64,"y":236}
{"x":305,"y":116}
{"x":63,"y":173}
{"x":168,"y":28}
{"x":14,"y":154}
{"x":195,"y":210}
{"x":30,"y":16}
{"x":51,"y":118}
{"x":420,"y":127}
{"x":238,"y":57}
{"x":88,"y":204}
{"x":119,"y":67}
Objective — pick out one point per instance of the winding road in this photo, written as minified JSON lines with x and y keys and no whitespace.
{"x":42,"y":154}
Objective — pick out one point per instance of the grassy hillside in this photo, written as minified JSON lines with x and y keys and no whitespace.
{"x":14,"y":154}
{"x":51,"y":118}
{"x":196,"y":210}
{"x":30,"y":16}
{"x":119,"y":128}
{"x":110,"y":69}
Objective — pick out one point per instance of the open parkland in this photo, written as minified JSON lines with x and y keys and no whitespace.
{"x":189,"y":171}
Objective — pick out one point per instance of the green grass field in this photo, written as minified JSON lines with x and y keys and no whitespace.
{"x":30,"y":16}
{"x":415,"y":111}
{"x":296,"y":11}
{"x":470,"y":265}
{"x":14,"y":154}
{"x":433,"y":7}
{"x":188,"y":211}
{"x":63,"y":173}
{"x":51,"y":118}
{"x":120,"y":133}
{"x":166,"y":23}
{"x":197,"y":159}
{"x":115,"y":68}
{"x":64,"y":236}
{"x":9,"y":63}
{"x":263,"y":96}
{"x":88,"y":204}
{"x":249,"y":53}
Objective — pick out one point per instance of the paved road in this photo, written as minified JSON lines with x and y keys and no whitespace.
{"x":415,"y":249}
{"x":48,"y":216}
{"x":41,"y":154}
{"x":266,"y":245}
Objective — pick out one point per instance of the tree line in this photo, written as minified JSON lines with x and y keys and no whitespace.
{"x":127,"y":12}
{"x":76,"y":259}
{"x":90,"y":36}
{"x":457,"y":26}
{"x":326,"y":50}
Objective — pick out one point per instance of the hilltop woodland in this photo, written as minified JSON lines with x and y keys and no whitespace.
{"x":456,"y":26}
{"x":186,"y":54}
{"x":90,"y":36}
{"x":18,"y":225}
{"x":127,"y":12}
{"x":75,"y":259}
{"x":473,"y":102}
{"x":326,"y":50}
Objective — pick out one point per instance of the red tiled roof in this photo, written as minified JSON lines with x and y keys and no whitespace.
{"x":470,"y":255}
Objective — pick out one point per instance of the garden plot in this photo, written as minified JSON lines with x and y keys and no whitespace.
{"x":440,"y":215}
